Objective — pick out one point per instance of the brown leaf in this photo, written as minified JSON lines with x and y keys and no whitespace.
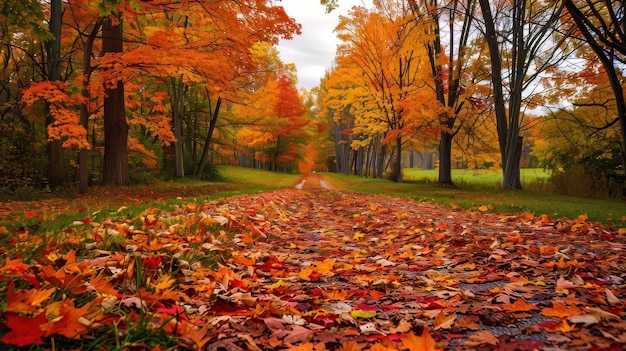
{"x":297,"y":334}
{"x":481,"y":338}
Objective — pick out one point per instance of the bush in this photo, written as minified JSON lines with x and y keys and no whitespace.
{"x":581,"y":182}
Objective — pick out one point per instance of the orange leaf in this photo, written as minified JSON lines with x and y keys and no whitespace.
{"x":424,"y":342}
{"x":381,"y":347}
{"x":63,"y":280}
{"x":563,"y":327}
{"x":519,"y":306}
{"x":26,"y":301}
{"x":242,"y":260}
{"x":197,"y":338}
{"x":351,"y":346}
{"x":102,"y":286}
{"x":444,"y":322}
{"x":558,"y":310}
{"x":70,"y":322}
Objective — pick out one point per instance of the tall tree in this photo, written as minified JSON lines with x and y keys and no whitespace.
{"x":56,"y":161}
{"x":385,"y":47}
{"x":521,"y":47}
{"x":449,"y":51}
{"x":115,"y":124}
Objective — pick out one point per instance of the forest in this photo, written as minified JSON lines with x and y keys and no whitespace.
{"x":114,"y":92}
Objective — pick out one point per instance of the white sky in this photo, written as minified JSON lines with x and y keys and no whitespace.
{"x":314,"y":50}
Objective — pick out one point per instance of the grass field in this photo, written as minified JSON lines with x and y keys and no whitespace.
{"x":484,"y":192}
{"x":480,"y":177}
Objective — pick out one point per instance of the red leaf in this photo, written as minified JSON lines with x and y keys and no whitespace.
{"x":24,"y":330}
{"x":29,"y":214}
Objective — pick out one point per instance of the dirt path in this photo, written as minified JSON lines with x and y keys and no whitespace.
{"x":338,"y":269}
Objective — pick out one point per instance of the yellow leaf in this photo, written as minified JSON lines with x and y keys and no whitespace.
{"x":277,"y":285}
{"x":358,"y":235}
{"x":468,"y":266}
{"x":305,"y":273}
{"x":325,"y":266}
{"x":621,"y":231}
{"x":483,"y":208}
{"x":363,"y":314}
{"x":164,"y":282}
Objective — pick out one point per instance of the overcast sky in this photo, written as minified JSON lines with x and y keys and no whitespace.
{"x":314,"y":50}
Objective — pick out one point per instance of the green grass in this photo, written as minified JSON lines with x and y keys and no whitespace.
{"x":609,"y":212}
{"x":257,"y":180}
{"x":477,"y":178}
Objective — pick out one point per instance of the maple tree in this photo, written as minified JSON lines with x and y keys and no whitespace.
{"x":276,"y":137}
{"x":453,"y":70}
{"x":388,"y":99}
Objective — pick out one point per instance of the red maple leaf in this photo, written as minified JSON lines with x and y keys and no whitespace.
{"x":24,"y":330}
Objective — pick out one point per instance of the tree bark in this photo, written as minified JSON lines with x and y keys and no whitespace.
{"x":54,"y":149}
{"x":83,"y":154}
{"x":177,"y":112}
{"x":397,"y":167}
{"x":115,"y":170}
{"x":445,"y":160}
{"x":207,"y":143}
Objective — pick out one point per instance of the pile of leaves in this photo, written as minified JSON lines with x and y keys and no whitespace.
{"x":315,"y":269}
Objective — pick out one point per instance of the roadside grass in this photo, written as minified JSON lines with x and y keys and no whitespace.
{"x":163,"y":195}
{"x":612,"y":213}
{"x":475,"y":178}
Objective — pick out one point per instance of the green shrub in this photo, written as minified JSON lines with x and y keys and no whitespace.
{"x":578,"y":181}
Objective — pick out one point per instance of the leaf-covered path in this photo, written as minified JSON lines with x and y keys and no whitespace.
{"x":313,"y":268}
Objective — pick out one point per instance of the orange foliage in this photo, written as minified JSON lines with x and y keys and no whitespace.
{"x":62,"y":108}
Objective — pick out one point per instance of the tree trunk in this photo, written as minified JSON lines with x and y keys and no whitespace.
{"x":445,"y":160}
{"x":207,"y":143}
{"x":397,"y":171}
{"x":115,"y":125}
{"x":83,"y":154}
{"x":511,"y":175}
{"x":380,"y":164}
{"x":177,"y":112}
{"x":54,"y":149}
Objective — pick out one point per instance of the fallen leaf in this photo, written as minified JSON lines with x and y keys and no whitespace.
{"x":481,"y":338}
{"x":561,"y":311}
{"x":444,"y":322}
{"x":423,"y":342}
{"x":297,"y":334}
{"x":24,"y":330}
{"x":562,"y":327}
{"x":519,"y":305}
